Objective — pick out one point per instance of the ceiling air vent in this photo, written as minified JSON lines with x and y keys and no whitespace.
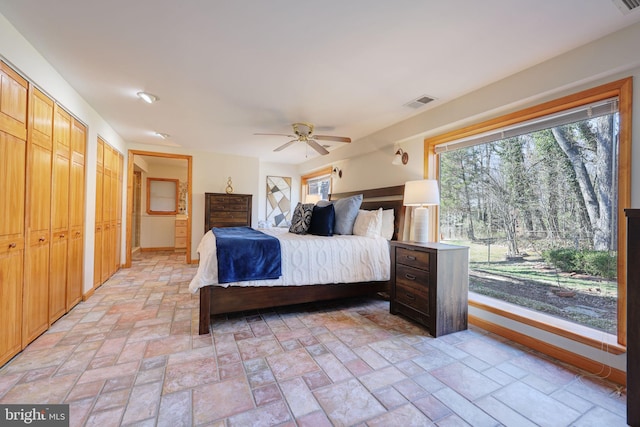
{"x":419,"y":102}
{"x":626,"y":6}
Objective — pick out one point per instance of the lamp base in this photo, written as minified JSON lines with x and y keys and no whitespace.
{"x":421,"y":224}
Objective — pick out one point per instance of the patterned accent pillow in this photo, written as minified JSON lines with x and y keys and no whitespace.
{"x":301,"y":218}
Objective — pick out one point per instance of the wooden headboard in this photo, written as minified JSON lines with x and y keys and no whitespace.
{"x":385,"y":198}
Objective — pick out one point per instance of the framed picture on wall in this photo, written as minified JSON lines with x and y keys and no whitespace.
{"x":278,"y":201}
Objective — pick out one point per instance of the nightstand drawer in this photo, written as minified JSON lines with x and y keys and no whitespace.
{"x":412,"y":278}
{"x":413,"y":298}
{"x":412,"y":258}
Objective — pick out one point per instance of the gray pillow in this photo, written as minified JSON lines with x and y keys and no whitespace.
{"x":346,"y":212}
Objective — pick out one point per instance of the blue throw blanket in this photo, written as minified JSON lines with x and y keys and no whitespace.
{"x":246,"y":254}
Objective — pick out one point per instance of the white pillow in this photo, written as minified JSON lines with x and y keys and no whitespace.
{"x":388,"y":226}
{"x":368,"y":223}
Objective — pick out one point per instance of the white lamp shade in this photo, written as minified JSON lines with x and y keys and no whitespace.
{"x":421,"y":192}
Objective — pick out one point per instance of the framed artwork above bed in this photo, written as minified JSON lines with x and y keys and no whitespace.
{"x":278,"y":201}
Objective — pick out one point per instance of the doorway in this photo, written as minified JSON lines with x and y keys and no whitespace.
{"x":137,"y":224}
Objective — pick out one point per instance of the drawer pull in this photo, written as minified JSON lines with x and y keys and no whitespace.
{"x":12,"y":245}
{"x":410,"y":257}
{"x":410,"y":276}
{"x":410,"y":296}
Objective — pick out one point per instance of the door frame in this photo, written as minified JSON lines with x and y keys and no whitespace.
{"x":131,"y":154}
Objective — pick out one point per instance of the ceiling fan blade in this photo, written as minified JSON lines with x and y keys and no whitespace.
{"x":276,"y":134}
{"x":319,"y":148}
{"x":332,"y":138}
{"x":283,"y":146}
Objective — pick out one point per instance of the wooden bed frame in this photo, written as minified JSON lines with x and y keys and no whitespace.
{"x":219,"y":300}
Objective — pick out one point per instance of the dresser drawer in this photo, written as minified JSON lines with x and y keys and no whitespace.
{"x":411,"y":298}
{"x":412,"y":258}
{"x":180,"y":242}
{"x":181,"y":231}
{"x":412,"y":278}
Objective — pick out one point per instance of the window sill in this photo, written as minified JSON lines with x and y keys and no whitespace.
{"x":582,"y":334}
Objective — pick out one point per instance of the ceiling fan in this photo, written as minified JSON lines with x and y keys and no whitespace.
{"x":304,"y":133}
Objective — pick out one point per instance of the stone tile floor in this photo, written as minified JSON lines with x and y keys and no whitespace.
{"x":131,"y":355}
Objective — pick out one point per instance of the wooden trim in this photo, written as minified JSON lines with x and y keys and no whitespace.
{"x":177,"y":196}
{"x":88,"y":294}
{"x":158,"y":249}
{"x":385,"y":192}
{"x":189,"y":212}
{"x":623,"y":89}
{"x":320,"y":172}
{"x":578,"y":333}
{"x":595,"y":368}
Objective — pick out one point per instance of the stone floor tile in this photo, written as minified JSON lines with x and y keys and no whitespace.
{"x":291,"y":364}
{"x":175,"y":410}
{"x":298,"y":397}
{"x":405,"y":416}
{"x":269,"y":415}
{"x":221,"y":400}
{"x":348,"y":403}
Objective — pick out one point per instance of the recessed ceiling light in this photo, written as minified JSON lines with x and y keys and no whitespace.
{"x":147,"y":97}
{"x":163,"y":135}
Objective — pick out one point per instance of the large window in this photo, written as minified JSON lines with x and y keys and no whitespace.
{"x":538,"y":197}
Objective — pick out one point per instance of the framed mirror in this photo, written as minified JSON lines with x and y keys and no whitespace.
{"x":162,"y":196}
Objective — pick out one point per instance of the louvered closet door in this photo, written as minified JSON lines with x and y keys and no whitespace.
{"x":36,"y":287}
{"x":13,"y":148}
{"x":76,"y":215}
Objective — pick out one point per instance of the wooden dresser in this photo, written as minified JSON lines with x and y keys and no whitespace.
{"x":226,"y":210}
{"x":633,"y":316}
{"x":430,"y":284}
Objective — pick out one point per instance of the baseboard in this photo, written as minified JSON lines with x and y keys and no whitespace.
{"x":168,"y":248}
{"x":596,"y":368}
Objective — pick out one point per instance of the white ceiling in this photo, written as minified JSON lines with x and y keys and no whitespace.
{"x":224,"y":70}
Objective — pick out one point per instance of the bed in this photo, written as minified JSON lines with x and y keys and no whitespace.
{"x":219,"y":299}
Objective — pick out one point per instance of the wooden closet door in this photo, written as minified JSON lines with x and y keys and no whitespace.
{"x":97,"y":251}
{"x":36,"y":280}
{"x":107,"y":243}
{"x":59,"y":213}
{"x":76,"y":215}
{"x":13,"y":148}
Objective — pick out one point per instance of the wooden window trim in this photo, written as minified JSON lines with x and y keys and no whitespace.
{"x":623,"y":89}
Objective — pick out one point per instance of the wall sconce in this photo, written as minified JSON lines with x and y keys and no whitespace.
{"x":337,"y":171}
{"x":401,"y":157}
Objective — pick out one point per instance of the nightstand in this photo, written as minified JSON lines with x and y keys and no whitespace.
{"x":430,"y":284}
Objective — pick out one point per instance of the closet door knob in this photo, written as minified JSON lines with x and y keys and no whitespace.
{"x":41,"y":239}
{"x":12,"y":245}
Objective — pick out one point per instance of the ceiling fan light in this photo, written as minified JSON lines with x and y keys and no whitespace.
{"x":149,"y":98}
{"x":163,"y":135}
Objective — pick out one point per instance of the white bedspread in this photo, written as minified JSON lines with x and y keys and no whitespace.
{"x":307,"y":260}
